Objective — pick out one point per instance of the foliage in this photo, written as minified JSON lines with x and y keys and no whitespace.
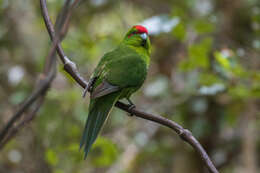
{"x":204,"y":74}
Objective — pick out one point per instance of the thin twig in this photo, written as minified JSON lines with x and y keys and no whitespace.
{"x":26,"y":120}
{"x":28,"y":102}
{"x":42,"y":86}
{"x":71,"y":68}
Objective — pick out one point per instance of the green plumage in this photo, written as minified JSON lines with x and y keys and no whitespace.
{"x":118,"y":75}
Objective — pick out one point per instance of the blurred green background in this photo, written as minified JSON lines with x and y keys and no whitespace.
{"x":204,"y":74}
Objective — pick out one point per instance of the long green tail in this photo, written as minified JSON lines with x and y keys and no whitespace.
{"x":99,"y":110}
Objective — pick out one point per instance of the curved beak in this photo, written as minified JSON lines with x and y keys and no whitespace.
{"x":144,"y":36}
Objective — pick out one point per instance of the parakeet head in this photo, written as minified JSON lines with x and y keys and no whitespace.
{"x":138,"y":37}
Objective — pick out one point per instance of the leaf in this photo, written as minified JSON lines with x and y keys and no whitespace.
{"x":204,"y":26}
{"x":240,"y":91}
{"x":228,"y":64}
{"x":106,"y":152}
{"x":199,"y":53}
{"x":51,"y":157}
{"x":179,"y":31}
{"x":209,"y":79}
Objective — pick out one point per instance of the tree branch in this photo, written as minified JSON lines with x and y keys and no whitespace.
{"x":28,"y":102}
{"x":13,"y":131}
{"x":71,"y":69}
{"x":43,"y":84}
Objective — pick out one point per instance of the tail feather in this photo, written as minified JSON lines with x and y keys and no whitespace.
{"x":99,"y":110}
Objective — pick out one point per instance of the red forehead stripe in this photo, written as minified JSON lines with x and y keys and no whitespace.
{"x":141,"y":29}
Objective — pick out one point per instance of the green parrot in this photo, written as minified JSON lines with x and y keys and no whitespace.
{"x":118,"y":75}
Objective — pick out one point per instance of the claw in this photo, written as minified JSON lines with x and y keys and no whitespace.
{"x":85,"y":91}
{"x":89,"y":87}
{"x":131,"y":107}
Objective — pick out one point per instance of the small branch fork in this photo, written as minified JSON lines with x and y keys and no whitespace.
{"x":62,"y":22}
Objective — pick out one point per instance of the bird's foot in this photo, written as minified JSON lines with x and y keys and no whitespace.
{"x":131,"y":107}
{"x":85,"y":91}
{"x":88,"y":87}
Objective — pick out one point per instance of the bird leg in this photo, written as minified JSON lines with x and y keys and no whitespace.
{"x":131,"y":106}
{"x":89,"y":86}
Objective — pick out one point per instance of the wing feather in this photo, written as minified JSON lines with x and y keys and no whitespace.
{"x":103,"y":89}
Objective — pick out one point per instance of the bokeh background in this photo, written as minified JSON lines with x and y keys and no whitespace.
{"x":204,"y":74}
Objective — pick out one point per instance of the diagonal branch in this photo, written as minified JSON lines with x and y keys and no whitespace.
{"x":71,"y":68}
{"x":13,"y":131}
{"x":43,"y":84}
{"x":28,"y":102}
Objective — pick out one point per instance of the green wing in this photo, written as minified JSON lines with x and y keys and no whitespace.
{"x":119,"y":69}
{"x":129,"y":71}
{"x":102,"y":63}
